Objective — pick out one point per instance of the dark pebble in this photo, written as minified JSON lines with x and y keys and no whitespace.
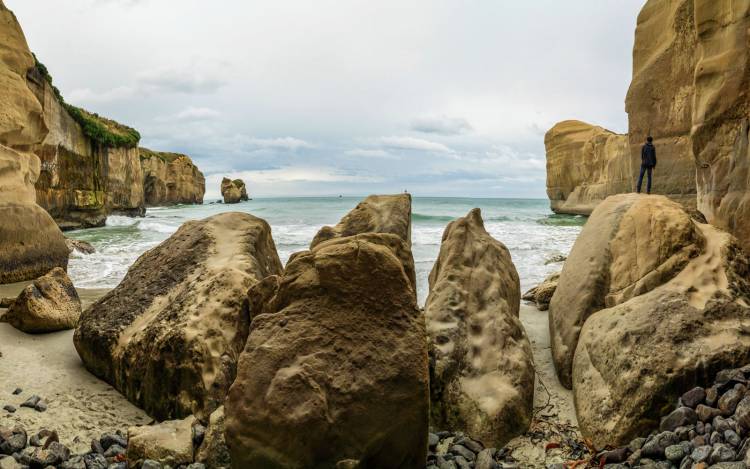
{"x":150,"y":464}
{"x":9,"y":408}
{"x":109,"y":439}
{"x":433,"y":440}
{"x":694,"y":397}
{"x":466,"y":453}
{"x":32,"y":401}
{"x":17,"y":391}
{"x":95,"y":461}
{"x":97,"y":447}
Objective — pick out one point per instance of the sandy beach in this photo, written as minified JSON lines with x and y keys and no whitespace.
{"x":80,"y":406}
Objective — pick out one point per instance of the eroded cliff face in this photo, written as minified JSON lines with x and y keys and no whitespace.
{"x":171,"y":178}
{"x":721,"y":115}
{"x":659,"y":101}
{"x":585,"y":165}
{"x":30,"y":242}
{"x":82,"y":181}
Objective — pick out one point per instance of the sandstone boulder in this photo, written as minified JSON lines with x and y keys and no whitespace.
{"x":585,"y":165}
{"x":630,"y":245}
{"x":78,"y":245}
{"x":168,"y":337}
{"x":541,"y":294}
{"x":335,"y":367}
{"x":676,"y":310}
{"x":482,"y":382}
{"x":171,"y":178}
{"x":213,"y":451}
{"x":233,"y":191}
{"x":167,"y":443}
{"x":50,"y":303}
{"x":660,"y":97}
{"x":30,"y":242}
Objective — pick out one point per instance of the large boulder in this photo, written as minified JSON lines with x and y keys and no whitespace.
{"x":171,"y":178}
{"x":676,"y":313}
{"x":335,"y":368}
{"x":482,"y":381}
{"x":50,"y":303}
{"x":660,"y":97}
{"x":168,"y":337}
{"x":585,"y":165}
{"x":721,"y":113}
{"x":30,"y":242}
{"x":630,"y":245}
{"x":233,"y":191}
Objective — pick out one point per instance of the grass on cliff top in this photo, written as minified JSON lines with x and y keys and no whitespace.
{"x":104,"y":131}
{"x":164,"y":156}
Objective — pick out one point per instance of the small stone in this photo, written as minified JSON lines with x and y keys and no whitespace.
{"x":701,"y":453}
{"x":199,"y":432}
{"x":150,"y":464}
{"x":674,"y":453}
{"x":109,"y":439}
{"x":97,"y":447}
{"x":485,"y":460}
{"x":742,"y":412}
{"x":709,"y":429}
{"x":655,"y":447}
{"x":729,"y":465}
{"x":474,"y":446}
{"x":636,"y":444}
{"x":615,"y":456}
{"x":9,"y":408}
{"x":712,"y":396}
{"x":40,"y":406}
{"x":460,"y":450}
{"x":8,"y":462}
{"x":705,"y":413}
{"x":721,"y":424}
{"x":12,"y":441}
{"x":196,"y":465}
{"x":700,"y":427}
{"x":32,"y":401}
{"x":715,"y":438}
{"x":728,"y":402}
{"x":75,"y":462}
{"x":114,"y":450}
{"x":686,"y":463}
{"x":433,"y":440}
{"x":721,"y":453}
{"x":693,"y":397}
{"x":95,"y":461}
{"x":680,"y":417}
{"x":731,"y":437}
{"x":683,"y":433}
{"x":462,"y":463}
{"x":17,"y":391}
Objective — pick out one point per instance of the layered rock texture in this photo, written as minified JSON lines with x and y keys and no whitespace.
{"x":30,"y":242}
{"x":585,"y":165}
{"x":233,"y":191}
{"x":542,"y":294}
{"x":171,"y":178}
{"x":337,"y":353}
{"x":482,"y":381}
{"x":169,"y":336}
{"x":661,"y":304}
{"x":721,"y":115}
{"x":660,"y":97}
{"x":50,"y":303}
{"x":83,"y":179}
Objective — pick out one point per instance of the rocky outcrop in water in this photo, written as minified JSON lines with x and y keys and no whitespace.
{"x":49,"y":304}
{"x":482,"y":377}
{"x":585,"y":165}
{"x":171,"y":178}
{"x":169,"y":336}
{"x":541,"y":295}
{"x":337,"y":353}
{"x":30,"y":242}
{"x":233,"y":191}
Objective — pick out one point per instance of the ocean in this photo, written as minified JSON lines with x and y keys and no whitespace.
{"x":532,"y":233}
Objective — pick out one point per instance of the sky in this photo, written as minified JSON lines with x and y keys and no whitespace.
{"x":328,"y":97}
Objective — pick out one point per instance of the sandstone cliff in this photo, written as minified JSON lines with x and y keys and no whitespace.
{"x":90,"y":166}
{"x":660,"y":97}
{"x":171,"y":178}
{"x":585,"y":164}
{"x":30,"y":242}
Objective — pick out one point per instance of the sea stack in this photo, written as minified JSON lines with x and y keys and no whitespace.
{"x":233,"y":191}
{"x":171,"y":178}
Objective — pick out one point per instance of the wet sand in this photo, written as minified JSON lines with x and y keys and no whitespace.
{"x":80,"y":406}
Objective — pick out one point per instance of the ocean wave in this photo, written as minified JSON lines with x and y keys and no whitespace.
{"x":149,"y":225}
{"x":423,"y":217}
{"x":562,"y":220}
{"x":120,"y":220}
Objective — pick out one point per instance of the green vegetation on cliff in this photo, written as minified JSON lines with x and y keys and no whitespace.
{"x":164,"y":156}
{"x":104,"y":131}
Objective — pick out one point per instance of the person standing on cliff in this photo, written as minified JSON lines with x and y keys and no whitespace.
{"x":648,"y":163}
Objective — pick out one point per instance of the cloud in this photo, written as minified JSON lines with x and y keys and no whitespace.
{"x":414,"y":144}
{"x":369,"y":153}
{"x":441,"y":125}
{"x":282,"y":143}
{"x":191,"y":114}
{"x":188,"y":80}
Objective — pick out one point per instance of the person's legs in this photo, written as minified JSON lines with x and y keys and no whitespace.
{"x":648,"y":184}
{"x":640,"y":179}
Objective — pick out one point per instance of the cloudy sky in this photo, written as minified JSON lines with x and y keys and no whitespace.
{"x":328,"y":97}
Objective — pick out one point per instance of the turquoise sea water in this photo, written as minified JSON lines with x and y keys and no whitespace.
{"x":527,"y":226}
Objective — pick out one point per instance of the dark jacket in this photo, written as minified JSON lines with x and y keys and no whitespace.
{"x":648,"y":155}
